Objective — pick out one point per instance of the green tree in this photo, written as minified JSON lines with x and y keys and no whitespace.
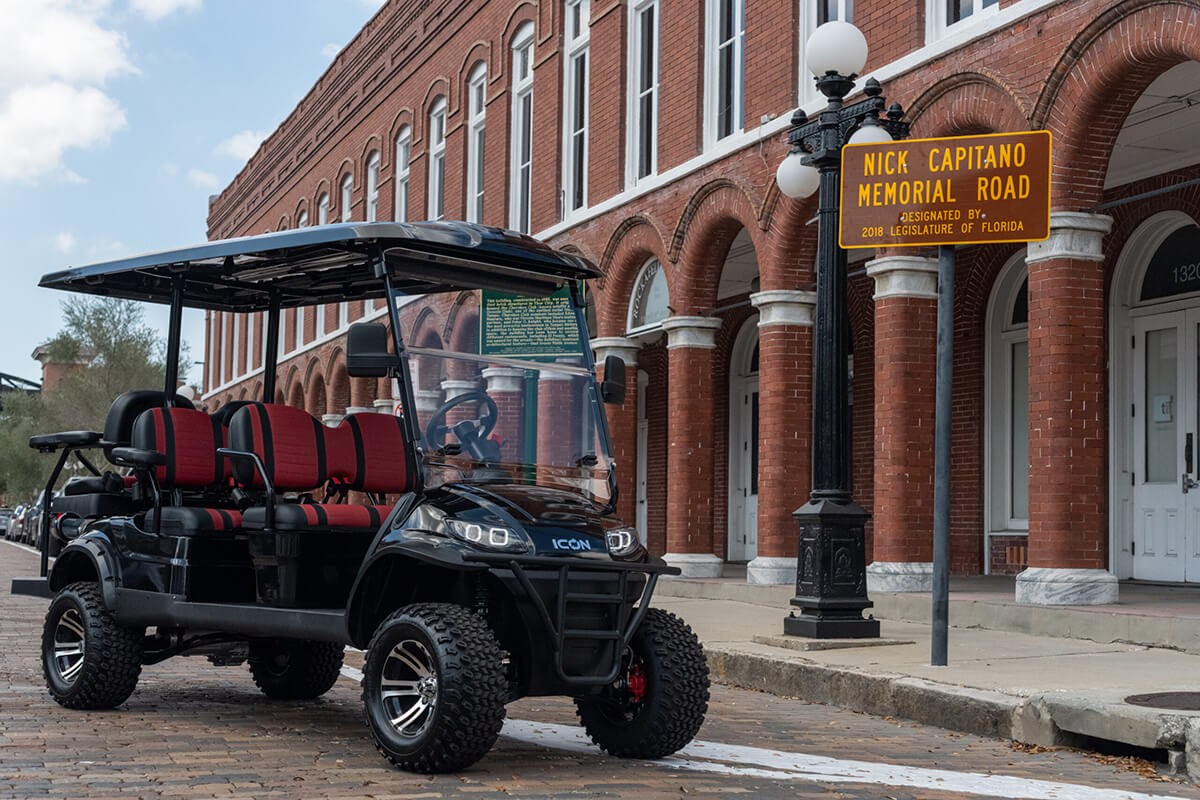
{"x":118,"y":352}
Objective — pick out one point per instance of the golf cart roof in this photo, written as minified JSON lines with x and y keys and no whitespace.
{"x":332,"y":263}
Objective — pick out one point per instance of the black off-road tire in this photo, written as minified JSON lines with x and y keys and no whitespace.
{"x":675,"y":699}
{"x":296,"y":670}
{"x":112,"y":653}
{"x":470,"y":688}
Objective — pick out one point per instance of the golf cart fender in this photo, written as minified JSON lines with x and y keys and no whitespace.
{"x":445,"y":554}
{"x":89,"y":558}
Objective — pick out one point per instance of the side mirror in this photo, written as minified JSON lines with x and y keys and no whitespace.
{"x":612,"y":388}
{"x":367,"y":353}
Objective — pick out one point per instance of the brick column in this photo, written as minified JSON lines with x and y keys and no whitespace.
{"x":506,"y":385}
{"x":452,"y":389}
{"x":785,"y":320}
{"x":1068,"y":444}
{"x":622,"y":421}
{"x":690,"y":344}
{"x":905,"y":375}
{"x":558,"y":417}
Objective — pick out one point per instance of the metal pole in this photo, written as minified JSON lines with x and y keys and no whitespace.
{"x":271,"y":360}
{"x":941,"y":458}
{"x":174,"y":326}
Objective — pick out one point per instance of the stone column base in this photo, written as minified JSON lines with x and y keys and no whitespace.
{"x":696,"y":565}
{"x":899,"y":576}
{"x":384,"y":406}
{"x":358,"y":410}
{"x":332,"y":420}
{"x":1046,"y":586}
{"x":771,"y":570}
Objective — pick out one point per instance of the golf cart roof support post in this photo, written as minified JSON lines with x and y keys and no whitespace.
{"x":174,"y":325}
{"x":271,"y":358}
{"x":407,"y":402}
{"x":579,"y":300}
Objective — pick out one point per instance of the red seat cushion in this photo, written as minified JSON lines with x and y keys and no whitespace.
{"x":189,"y":440}
{"x":185,"y":520}
{"x":290,"y":442}
{"x":381,"y":456}
{"x":317,"y":517}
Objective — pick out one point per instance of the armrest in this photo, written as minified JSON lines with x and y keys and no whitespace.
{"x":49,"y":442}
{"x":136,"y":457}
{"x":246,"y":455}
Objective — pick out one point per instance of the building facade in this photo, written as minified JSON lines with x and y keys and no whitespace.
{"x":645,"y":134}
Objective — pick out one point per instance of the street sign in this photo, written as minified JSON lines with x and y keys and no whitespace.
{"x":952,"y":190}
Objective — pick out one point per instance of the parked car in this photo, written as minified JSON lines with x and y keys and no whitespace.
{"x":33,"y":521}
{"x":5,"y":515}
{"x":14,"y":523}
{"x":473,"y":573}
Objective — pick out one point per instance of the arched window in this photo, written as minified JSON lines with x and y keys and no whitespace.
{"x":1007,"y":400}
{"x":323,"y":209}
{"x":648,"y":305}
{"x":1175,"y":267}
{"x":476,"y":123}
{"x":437,"y":159}
{"x":373,"y":186}
{"x":521,"y":138}
{"x":347,"y":195}
{"x":302,"y":219}
{"x":403,"y":153}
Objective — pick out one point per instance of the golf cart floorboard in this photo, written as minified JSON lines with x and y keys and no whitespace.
{"x":136,"y":607}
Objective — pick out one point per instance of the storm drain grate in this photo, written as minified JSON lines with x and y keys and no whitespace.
{"x":1176,"y":701}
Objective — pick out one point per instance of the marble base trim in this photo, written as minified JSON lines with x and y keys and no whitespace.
{"x":900,"y":576}
{"x":1046,"y":586}
{"x":771,"y":571}
{"x":696,"y":565}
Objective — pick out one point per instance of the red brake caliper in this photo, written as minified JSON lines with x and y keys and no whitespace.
{"x":637,"y":683}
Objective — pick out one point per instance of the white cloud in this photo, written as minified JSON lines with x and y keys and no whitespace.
{"x":64,"y":241}
{"x":154,"y":10}
{"x":203,"y":180}
{"x":241,"y":145}
{"x":331,"y":50}
{"x":56,"y":55}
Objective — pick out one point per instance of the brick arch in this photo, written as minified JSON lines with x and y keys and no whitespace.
{"x":712,"y":218}
{"x":322,"y":188}
{"x":295,"y":390}
{"x":256,"y":391}
{"x":523,"y":12}
{"x":969,"y":103}
{"x":403,"y":118}
{"x":1101,"y":75}
{"x":480,"y":53}
{"x":337,"y":390}
{"x":373,"y":145}
{"x":438,"y":88}
{"x":301,"y":208}
{"x":635,"y":241}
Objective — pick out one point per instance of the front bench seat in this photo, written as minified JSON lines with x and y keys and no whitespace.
{"x":188,"y":440}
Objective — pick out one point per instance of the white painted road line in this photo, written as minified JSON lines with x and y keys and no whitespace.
{"x":756,"y":762}
{"x":24,"y":547}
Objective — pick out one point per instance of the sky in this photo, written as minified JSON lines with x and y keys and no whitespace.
{"x":118,"y":119}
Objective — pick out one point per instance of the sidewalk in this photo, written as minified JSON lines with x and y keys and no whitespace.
{"x":1043,"y":689}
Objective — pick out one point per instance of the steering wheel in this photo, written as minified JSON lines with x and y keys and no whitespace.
{"x":473,"y":430}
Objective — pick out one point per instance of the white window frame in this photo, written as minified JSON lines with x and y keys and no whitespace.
{"x":323,"y":209}
{"x":577,"y":49}
{"x":520,"y":198}
{"x":1001,"y":335}
{"x":214,"y":374}
{"x":809,"y":20}
{"x":249,"y":343}
{"x":476,"y":140}
{"x":635,"y":94}
{"x":373,"y":186}
{"x":224,"y":338}
{"x":403,"y":160}
{"x":641,"y":288}
{"x":712,"y":70}
{"x":937,"y":17}
{"x":302,"y":219}
{"x":300,"y":312}
{"x":436,"y":195}
{"x":347,"y":196}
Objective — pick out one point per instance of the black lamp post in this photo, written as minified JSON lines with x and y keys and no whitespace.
{"x":831,"y":568}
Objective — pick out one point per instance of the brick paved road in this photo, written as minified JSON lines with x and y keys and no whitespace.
{"x":196,"y":730}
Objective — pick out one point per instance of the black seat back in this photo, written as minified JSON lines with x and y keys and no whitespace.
{"x":118,"y":425}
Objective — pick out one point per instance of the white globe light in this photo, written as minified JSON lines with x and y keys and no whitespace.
{"x":836,"y":47}
{"x":797,"y":180}
{"x":870,"y":134}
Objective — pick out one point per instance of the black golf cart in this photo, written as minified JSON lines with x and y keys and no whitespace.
{"x":468,"y":543}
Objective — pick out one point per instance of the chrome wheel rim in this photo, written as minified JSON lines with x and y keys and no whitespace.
{"x":68,"y":645}
{"x":408,"y":688}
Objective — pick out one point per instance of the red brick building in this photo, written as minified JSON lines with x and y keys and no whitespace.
{"x":645,"y":135}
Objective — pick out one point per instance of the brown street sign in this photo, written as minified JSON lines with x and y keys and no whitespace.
{"x":953,"y":190}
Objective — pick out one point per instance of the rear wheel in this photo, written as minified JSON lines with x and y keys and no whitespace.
{"x":296,"y":670}
{"x":434,"y":688}
{"x":658,"y":703}
{"x":89,"y":661}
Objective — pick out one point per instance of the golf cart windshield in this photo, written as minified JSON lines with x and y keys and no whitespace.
{"x":510,"y":398}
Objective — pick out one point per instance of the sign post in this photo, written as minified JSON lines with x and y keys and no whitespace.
{"x":945,"y":192}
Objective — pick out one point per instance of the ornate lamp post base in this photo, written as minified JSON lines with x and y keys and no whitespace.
{"x":831,"y":587}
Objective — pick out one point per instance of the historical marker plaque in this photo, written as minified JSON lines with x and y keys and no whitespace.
{"x":955,"y":190}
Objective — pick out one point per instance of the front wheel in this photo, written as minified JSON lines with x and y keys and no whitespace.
{"x":296,"y":670}
{"x":90,"y":662}
{"x":657,"y":705}
{"x":434,"y":688}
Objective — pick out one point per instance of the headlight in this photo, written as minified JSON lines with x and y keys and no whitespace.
{"x":622,"y":542}
{"x":492,"y":537}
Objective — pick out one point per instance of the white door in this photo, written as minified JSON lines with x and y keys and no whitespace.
{"x":743,"y":499}
{"x":643,"y":440}
{"x":1165,"y":413}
